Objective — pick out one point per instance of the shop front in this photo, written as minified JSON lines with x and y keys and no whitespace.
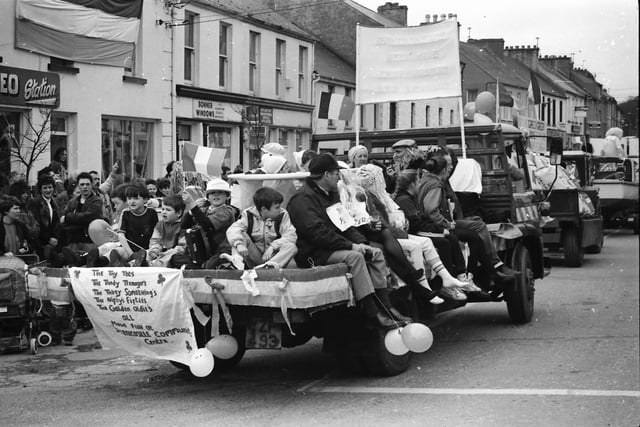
{"x":27,"y":100}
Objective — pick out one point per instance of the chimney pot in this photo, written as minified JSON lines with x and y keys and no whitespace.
{"x":443,"y":16}
{"x":435,"y":18}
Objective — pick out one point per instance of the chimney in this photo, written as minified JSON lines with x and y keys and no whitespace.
{"x":561,"y":64}
{"x":394,"y":12}
{"x":494,"y":45}
{"x":526,"y":54}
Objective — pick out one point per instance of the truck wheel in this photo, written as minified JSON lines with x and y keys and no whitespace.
{"x":378,"y":360}
{"x":519,"y":297}
{"x":573,"y":252}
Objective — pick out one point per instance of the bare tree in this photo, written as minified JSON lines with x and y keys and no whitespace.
{"x":29,"y":145}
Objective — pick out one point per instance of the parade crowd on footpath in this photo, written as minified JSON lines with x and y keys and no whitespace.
{"x":78,"y":220}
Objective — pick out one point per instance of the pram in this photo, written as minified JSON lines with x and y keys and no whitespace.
{"x":18,"y":311}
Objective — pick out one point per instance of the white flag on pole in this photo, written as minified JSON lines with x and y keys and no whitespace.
{"x":411,"y":63}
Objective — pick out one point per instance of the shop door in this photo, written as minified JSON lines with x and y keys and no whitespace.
{"x":220,"y":137}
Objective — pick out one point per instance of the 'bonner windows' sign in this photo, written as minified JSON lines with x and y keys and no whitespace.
{"x":210,"y":110}
{"x":23,"y":87}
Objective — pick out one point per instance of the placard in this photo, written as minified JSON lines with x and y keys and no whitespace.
{"x":340,"y":217}
{"x":140,"y":310}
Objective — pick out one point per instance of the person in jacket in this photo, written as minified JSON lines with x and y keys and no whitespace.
{"x":81,"y":210}
{"x":213,"y":216}
{"x":264,"y":234}
{"x":323,"y":240}
{"x":45,"y":210}
{"x":434,"y":200}
{"x":13,"y":233}
{"x":167,"y":239}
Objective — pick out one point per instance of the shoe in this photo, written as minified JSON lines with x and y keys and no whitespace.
{"x":470,"y":286}
{"x":138,"y":259}
{"x":399,"y":317}
{"x":430,"y":295}
{"x":504,"y":273}
{"x":115,"y":260}
{"x":454,"y":294}
{"x":92,"y":257}
{"x":383,"y":321}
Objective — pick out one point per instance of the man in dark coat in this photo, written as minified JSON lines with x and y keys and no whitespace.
{"x":45,"y":211}
{"x":321,"y":242}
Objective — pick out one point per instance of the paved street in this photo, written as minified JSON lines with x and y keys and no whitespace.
{"x":576,"y":363}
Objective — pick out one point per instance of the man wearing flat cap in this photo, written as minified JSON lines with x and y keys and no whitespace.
{"x":321,"y":242}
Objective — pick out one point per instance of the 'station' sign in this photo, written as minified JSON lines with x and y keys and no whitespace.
{"x":19,"y":86}
{"x":141,"y":310}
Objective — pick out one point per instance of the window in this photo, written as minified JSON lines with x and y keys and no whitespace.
{"x":392,"y":115}
{"x":361,"y":112}
{"x":553,"y":114}
{"x":283,"y":137}
{"x":427,"y":112}
{"x":280,"y":66}
{"x":376,"y":119}
{"x":450,"y":117}
{"x":332,"y":90}
{"x":189,"y":46}
{"x":472,"y":95}
{"x":413,"y":115}
{"x":220,"y":137}
{"x":225,"y":51}
{"x":302,"y":73}
{"x":254,"y":57}
{"x":560,"y":119}
{"x":440,"y":116}
{"x":348,"y":92}
{"x":130,"y":142}
{"x":59,"y":133}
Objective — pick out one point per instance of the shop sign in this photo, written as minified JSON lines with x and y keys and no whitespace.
{"x":580,"y":111}
{"x":576,"y":129}
{"x":211,"y":110}
{"x":266,"y":116}
{"x":537,"y":132}
{"x":31,"y":88}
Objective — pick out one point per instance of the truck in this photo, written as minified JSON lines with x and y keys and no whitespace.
{"x":573,"y":229}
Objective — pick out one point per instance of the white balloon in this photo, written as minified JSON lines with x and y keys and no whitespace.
{"x":201,"y":362}
{"x":393,"y":342}
{"x":223,"y":346}
{"x":417,"y":337}
{"x":481,"y":119}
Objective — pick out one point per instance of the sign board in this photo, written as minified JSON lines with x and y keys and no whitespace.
{"x":580,"y":111}
{"x":266,"y":116}
{"x":31,"y":88}
{"x":537,"y":132}
{"x":141,"y":310}
{"x":211,"y":110}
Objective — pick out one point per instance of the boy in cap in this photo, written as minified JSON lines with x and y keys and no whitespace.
{"x":321,"y":242}
{"x":214,"y":216}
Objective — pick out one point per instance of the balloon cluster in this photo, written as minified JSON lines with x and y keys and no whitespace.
{"x":482,"y":111}
{"x":203,"y":361}
{"x":414,"y":337}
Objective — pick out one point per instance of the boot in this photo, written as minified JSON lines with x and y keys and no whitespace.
{"x":504,"y":274}
{"x":374,"y":317}
{"x":386,"y":307}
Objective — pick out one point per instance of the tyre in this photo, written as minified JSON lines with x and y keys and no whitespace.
{"x":573,"y":252}
{"x":226,"y":364}
{"x":33,"y":344}
{"x":520,"y":297}
{"x":376,"y":358}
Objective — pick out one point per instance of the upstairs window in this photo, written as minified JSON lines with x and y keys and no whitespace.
{"x":254,"y":49}
{"x":224,"y":55}
{"x":303,"y":56}
{"x":189,"y":46}
{"x":280,"y":66}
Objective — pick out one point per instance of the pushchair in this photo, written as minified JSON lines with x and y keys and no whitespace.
{"x":18,"y":311}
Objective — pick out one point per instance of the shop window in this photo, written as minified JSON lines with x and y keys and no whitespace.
{"x":220,"y":137}
{"x":130,"y":142}
{"x":9,"y":132}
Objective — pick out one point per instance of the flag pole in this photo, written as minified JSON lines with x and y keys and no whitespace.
{"x":464,"y":144}
{"x":357,"y":111}
{"x":497,"y":100}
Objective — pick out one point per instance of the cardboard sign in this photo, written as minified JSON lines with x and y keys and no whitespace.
{"x":358,"y":211}
{"x":140,"y":310}
{"x":340,"y":217}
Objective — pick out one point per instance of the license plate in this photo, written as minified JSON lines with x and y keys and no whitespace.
{"x":4,"y":309}
{"x":265,"y":334}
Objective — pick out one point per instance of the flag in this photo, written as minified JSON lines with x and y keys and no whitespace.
{"x":89,"y":31}
{"x":408,"y":63}
{"x":205,"y":160}
{"x":535,"y":93}
{"x":335,"y":106}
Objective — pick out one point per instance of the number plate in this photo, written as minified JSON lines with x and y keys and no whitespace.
{"x":265,"y":334}
{"x":4,"y":309}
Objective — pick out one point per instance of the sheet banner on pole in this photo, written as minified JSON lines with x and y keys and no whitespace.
{"x":405,"y":64}
{"x":141,"y":310}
